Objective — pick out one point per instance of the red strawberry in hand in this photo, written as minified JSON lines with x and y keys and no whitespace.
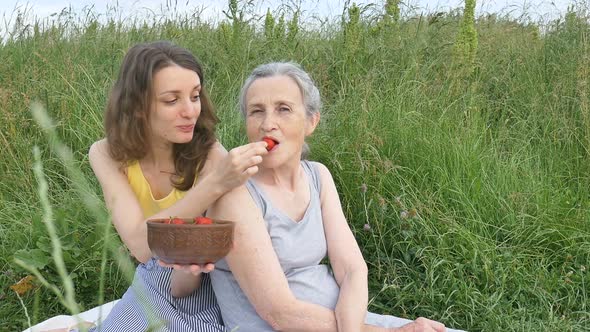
{"x":203,"y":221}
{"x":270,"y":143}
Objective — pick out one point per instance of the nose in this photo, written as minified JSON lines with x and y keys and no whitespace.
{"x":189,"y":108}
{"x":269,"y":122}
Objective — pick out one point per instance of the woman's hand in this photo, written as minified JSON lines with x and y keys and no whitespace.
{"x":239,"y":164}
{"x":185,"y":279}
{"x":193,"y":269}
{"x":421,"y":324}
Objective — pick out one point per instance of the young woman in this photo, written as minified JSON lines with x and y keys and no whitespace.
{"x":273,"y":279}
{"x":160,"y":158}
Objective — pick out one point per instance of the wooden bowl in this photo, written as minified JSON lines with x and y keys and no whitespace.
{"x":190,"y":243}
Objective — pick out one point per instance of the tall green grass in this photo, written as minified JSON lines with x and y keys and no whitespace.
{"x":475,"y":185}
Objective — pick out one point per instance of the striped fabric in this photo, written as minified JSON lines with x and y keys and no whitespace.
{"x":148,"y":306}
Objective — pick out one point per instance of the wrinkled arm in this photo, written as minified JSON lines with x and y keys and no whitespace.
{"x":346,"y":260}
{"x":350,"y":269}
{"x":266,"y":288}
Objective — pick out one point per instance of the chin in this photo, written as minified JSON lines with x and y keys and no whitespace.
{"x":183,"y":140}
{"x":277,"y":163}
{"x":270,"y":164}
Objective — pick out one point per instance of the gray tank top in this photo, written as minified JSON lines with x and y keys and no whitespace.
{"x":300,"y":247}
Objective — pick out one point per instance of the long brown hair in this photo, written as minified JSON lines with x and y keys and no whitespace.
{"x":128,"y":110}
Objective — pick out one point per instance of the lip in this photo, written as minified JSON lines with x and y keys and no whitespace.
{"x":272,"y":138}
{"x":277,"y":143}
{"x":186,"y":129}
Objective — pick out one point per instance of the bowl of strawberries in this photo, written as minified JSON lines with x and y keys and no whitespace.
{"x":186,"y":241}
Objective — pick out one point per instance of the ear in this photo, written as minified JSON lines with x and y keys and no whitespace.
{"x":312,"y":123}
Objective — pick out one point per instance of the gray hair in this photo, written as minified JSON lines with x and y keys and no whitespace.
{"x":309,"y":91}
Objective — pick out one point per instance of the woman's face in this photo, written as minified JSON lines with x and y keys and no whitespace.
{"x":274,"y":109}
{"x":176,"y":105}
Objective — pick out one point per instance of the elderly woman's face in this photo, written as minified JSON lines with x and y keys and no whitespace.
{"x":275,"y":110}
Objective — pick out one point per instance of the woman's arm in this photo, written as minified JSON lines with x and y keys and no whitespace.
{"x":346,"y":260}
{"x":231,"y":169}
{"x":120,"y":200}
{"x":267,"y":288}
{"x":350,"y":269}
{"x":186,"y":279}
{"x":256,"y":268}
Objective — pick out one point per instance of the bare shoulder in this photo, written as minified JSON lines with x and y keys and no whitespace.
{"x":328,"y":188}
{"x":323,"y":171}
{"x":99,"y":156}
{"x":98,"y":149}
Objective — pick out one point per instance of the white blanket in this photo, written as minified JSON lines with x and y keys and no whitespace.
{"x":94,"y":315}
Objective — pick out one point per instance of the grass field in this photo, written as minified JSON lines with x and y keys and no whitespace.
{"x":473,"y":175}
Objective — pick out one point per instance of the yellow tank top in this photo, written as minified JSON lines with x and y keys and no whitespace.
{"x":143,"y":192}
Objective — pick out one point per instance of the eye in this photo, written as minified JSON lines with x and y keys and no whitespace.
{"x":170,"y":101}
{"x":284,"y":109}
{"x":196,"y":98}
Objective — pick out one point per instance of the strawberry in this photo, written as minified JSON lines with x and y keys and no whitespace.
{"x":270,"y":143}
{"x":203,"y":221}
{"x":177,"y":221}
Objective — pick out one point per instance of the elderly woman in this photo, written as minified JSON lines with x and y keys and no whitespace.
{"x":273,"y":279}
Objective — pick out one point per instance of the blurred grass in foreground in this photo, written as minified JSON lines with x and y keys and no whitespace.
{"x":475,"y":186}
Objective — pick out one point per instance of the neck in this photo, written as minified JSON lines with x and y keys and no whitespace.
{"x":160,"y":158}
{"x":286,"y":176}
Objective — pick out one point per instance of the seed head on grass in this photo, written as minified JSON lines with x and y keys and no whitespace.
{"x":269,"y":25}
{"x":293,"y":29}
{"x":466,"y":43}
{"x":363,"y":188}
{"x":392,"y":10}
{"x":382,"y":202}
{"x":352,"y":31}
{"x":91,"y":202}
{"x":279,"y":31}
{"x":67,"y":299}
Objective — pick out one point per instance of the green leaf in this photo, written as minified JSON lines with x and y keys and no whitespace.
{"x":35,"y":257}
{"x":44,"y":243}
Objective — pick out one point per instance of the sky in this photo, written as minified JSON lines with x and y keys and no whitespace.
{"x":537,"y":10}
